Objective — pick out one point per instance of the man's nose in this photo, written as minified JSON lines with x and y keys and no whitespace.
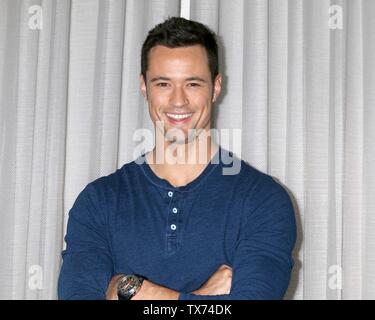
{"x":179,"y":98}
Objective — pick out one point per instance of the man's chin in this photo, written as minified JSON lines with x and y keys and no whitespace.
{"x":176,"y":135}
{"x":179,"y":140}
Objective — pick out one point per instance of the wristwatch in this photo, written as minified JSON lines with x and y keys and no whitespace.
{"x":128,"y":286}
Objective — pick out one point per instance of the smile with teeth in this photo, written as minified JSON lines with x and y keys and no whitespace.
{"x":179,"y":116}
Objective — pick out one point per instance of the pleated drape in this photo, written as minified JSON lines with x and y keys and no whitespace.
{"x":33,"y":93}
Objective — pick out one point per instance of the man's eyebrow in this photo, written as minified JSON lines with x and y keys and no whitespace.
{"x":168,"y":79}
{"x":160,"y":78}
{"x":195,"y":79}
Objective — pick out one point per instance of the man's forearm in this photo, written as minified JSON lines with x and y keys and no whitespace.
{"x":152,"y":291}
{"x":148,"y":291}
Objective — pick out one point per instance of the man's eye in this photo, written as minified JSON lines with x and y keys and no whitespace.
{"x":193,"y":84}
{"x":162,"y":84}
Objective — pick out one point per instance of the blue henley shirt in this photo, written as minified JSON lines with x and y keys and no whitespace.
{"x":132,"y":221}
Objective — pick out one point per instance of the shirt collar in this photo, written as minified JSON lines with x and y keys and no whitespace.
{"x":163,"y":183}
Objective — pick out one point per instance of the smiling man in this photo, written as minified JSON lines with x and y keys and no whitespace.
{"x":169,"y":225}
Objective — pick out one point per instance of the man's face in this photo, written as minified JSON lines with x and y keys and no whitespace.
{"x":179,"y":90}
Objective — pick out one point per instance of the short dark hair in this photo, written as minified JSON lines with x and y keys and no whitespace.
{"x":179,"y":32}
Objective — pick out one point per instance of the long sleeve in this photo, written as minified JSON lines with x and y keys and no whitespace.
{"x":263,"y":258}
{"x":87,"y":264}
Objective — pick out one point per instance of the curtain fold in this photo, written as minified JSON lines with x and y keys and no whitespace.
{"x":33,"y":92}
{"x":353,"y":184}
{"x":368,"y":275}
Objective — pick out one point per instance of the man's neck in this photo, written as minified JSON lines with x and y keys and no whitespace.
{"x":181,"y":164}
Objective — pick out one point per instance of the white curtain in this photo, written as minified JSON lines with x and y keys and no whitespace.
{"x":301,"y":89}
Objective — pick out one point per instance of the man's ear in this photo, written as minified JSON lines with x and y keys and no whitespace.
{"x":143,"y":86}
{"x":217,"y":87}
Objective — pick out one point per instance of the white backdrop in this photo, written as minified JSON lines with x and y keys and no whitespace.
{"x":301,"y":91}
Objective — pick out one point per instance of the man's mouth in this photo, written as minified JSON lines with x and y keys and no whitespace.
{"x":179,"y":118}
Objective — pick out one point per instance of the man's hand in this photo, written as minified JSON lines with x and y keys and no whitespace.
{"x":148,"y":291}
{"x":219,"y":283}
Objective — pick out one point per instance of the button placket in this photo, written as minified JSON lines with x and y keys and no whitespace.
{"x":172,"y":221}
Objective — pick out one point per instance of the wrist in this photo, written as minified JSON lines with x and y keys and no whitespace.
{"x":152,"y":291}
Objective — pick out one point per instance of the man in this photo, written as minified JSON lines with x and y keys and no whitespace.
{"x":162,"y":230}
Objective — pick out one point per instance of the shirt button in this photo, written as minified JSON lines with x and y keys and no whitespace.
{"x":170,"y":194}
{"x":174,"y":210}
{"x":173,"y":227}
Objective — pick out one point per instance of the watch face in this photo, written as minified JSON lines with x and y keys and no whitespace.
{"x":128,"y":286}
